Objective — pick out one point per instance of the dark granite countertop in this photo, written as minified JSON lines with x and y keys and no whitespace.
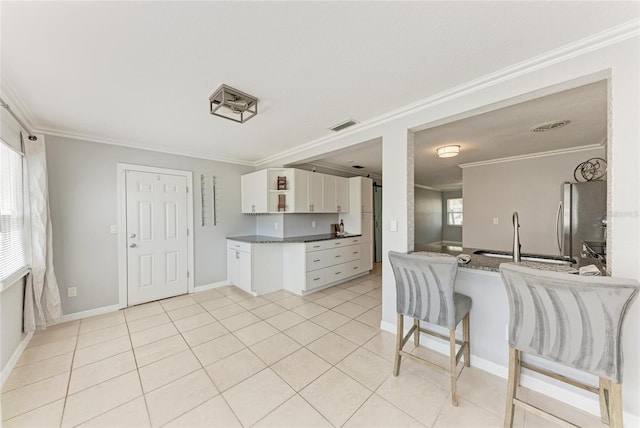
{"x":262,"y":239}
{"x":492,"y":264}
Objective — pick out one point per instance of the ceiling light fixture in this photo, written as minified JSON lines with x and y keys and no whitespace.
{"x":233,"y":104}
{"x":448,"y":151}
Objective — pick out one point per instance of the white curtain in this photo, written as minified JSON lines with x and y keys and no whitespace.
{"x":42,"y":297}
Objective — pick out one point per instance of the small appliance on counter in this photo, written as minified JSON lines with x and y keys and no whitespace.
{"x":338,"y":229}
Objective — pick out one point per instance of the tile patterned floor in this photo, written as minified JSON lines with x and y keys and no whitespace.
{"x":224,"y":358}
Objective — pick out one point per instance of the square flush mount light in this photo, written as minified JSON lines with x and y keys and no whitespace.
{"x":233,"y":104}
{"x":448,"y":151}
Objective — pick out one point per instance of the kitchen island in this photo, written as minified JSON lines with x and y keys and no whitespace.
{"x":302,"y":264}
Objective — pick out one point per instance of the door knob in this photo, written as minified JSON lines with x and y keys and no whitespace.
{"x":132,"y":245}
{"x":133,"y":235}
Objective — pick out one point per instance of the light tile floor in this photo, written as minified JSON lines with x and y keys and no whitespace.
{"x":225,"y":358}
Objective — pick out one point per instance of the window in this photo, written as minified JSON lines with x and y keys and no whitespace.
{"x":454,"y":212}
{"x":12,"y":248}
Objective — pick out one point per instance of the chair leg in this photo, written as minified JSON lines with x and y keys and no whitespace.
{"x":454,"y":377}
{"x":399,"y":337}
{"x":416,"y":334}
{"x":512,"y":385}
{"x":604,"y":400}
{"x":465,"y":338}
{"x":615,"y":405}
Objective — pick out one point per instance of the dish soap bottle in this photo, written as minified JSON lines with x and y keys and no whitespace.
{"x":341,"y":227}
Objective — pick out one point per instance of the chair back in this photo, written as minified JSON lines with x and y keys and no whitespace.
{"x":572,"y":320}
{"x":424,"y":287}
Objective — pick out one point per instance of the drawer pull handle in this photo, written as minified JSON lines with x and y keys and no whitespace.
{"x":316,"y":279}
{"x":355,"y":252}
{"x":338,"y":273}
{"x":316,"y":246}
{"x":337,"y":243}
{"x":338,"y":256}
{"x":355,"y":268}
{"x":316,"y":261}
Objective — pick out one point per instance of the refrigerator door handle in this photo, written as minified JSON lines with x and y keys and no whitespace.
{"x":558,"y":237}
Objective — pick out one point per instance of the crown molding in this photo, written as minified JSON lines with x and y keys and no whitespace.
{"x":533,"y":155}
{"x":93,"y":139}
{"x":588,"y":44}
{"x":420,"y":186}
{"x":18,"y":106}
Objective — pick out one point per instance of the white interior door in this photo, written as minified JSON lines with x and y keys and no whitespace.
{"x":157,"y":240}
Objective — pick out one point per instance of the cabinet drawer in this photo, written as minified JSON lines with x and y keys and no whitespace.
{"x":353,"y":241}
{"x":315,"y":260}
{"x":353,"y":252}
{"x":351,"y":268}
{"x":335,"y":243}
{"x":239,"y":246}
{"x":335,"y":273}
{"x":315,"y":279}
{"x":336,"y":256}
{"x":315,"y":246}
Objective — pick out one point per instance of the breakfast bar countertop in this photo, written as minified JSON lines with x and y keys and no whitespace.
{"x":263,"y":239}
{"x":492,"y":264}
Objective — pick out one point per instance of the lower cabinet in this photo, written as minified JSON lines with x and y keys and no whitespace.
{"x":315,"y":265}
{"x":254,"y":268}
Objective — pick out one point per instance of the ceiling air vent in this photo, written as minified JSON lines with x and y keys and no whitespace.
{"x":549,"y":126}
{"x":342,"y":125}
{"x":357,"y":166}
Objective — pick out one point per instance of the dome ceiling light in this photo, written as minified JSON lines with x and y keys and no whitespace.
{"x":448,"y":151}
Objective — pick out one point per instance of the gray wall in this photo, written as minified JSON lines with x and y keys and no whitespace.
{"x":11,"y":303}
{"x":529,"y":186}
{"x":294,"y":224}
{"x":452,"y":233}
{"x":83,"y":199}
{"x":428,"y":216}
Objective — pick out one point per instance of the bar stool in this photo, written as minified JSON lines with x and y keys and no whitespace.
{"x":425,"y":292}
{"x":572,"y":320}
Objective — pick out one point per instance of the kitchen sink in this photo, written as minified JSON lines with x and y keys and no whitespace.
{"x":558,"y":260}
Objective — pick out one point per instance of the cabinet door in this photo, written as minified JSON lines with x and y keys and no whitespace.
{"x":232,"y":266}
{"x":329,"y":197}
{"x":342,"y":194}
{"x":245,"y":270}
{"x":314,"y":188}
{"x":254,"y":192}
{"x":302,"y":194}
{"x":366,"y":195}
{"x":367,"y":226}
{"x":366,"y":256}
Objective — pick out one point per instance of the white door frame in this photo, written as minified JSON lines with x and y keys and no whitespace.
{"x":122,"y":223}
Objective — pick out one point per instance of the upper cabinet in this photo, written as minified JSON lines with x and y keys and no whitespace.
{"x":335,"y":194}
{"x":290,"y":190}
{"x":254,"y":192}
{"x":308,"y":191}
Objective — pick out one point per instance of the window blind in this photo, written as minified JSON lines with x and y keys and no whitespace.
{"x":12,"y":244}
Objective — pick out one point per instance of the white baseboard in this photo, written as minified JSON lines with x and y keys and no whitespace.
{"x":87,"y":314}
{"x":17,"y":353}
{"x":586,"y":404}
{"x":211,"y":286}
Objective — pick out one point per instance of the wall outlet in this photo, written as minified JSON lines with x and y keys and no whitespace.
{"x":495,"y":220}
{"x":275,"y":225}
{"x":313,"y":224}
{"x":72,"y":292}
{"x":393,"y":226}
{"x":113,"y":229}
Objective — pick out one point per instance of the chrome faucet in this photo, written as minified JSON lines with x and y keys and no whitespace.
{"x":516,"y":237}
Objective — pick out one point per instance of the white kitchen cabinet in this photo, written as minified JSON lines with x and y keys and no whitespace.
{"x":308,"y":191}
{"x":359,"y":219}
{"x":335,"y":194}
{"x":254,"y":192}
{"x":254,"y":268}
{"x":316,"y":265}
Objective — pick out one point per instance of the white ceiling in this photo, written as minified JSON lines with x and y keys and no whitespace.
{"x":140,"y":73}
{"x":493,"y":135}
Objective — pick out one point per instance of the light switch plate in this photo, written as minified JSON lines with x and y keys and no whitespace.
{"x":496,"y":220}
{"x":313,"y":224}
{"x":72,"y":292}
{"x":113,"y":229}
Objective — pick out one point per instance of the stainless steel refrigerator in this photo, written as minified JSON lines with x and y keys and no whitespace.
{"x":582,"y":209}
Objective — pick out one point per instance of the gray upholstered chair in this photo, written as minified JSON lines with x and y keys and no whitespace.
{"x":425,"y":292}
{"x":572,"y":320}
